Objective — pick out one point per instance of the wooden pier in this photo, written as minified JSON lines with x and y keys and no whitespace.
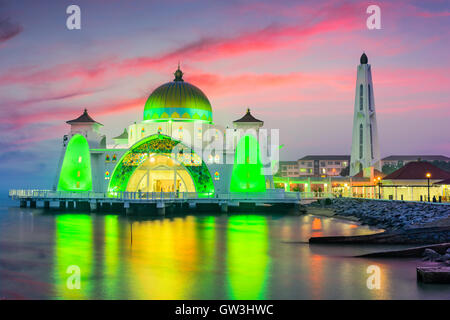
{"x":159,"y":202}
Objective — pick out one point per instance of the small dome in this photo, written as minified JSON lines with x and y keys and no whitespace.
{"x":178,"y":100}
{"x":364,"y":58}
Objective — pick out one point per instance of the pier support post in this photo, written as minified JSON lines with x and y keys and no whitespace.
{"x":160,"y":208}
{"x":70,"y":205}
{"x":93,"y":206}
{"x":47,"y":204}
{"x":62,"y":205}
{"x":224,"y":207}
{"x":23,"y":203}
{"x":32,"y":204}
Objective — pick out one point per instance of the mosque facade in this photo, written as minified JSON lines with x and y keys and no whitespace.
{"x":176,"y":148}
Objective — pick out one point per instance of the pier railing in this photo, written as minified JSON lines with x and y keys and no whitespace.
{"x":272,"y":194}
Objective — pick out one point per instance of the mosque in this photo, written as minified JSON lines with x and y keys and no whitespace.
{"x":176,"y":148}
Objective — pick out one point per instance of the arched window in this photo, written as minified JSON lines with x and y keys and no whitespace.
{"x":210,"y":158}
{"x":107,"y":175}
{"x":216,"y":175}
{"x":371,"y":142}
{"x":159,"y":130}
{"x":114,"y":158}
{"x":361,"y":97}
{"x":217,"y":158}
{"x":369,"y":98}
{"x":142,"y":132}
{"x":180,"y":133}
{"x":199,"y":133}
{"x":361,"y":141}
{"x":107,"y":158}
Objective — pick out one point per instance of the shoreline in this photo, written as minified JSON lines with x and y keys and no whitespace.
{"x":399,"y":222}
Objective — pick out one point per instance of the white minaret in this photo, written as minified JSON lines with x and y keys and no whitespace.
{"x":365,"y":149}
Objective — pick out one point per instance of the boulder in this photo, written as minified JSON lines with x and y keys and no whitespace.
{"x":431,"y":255}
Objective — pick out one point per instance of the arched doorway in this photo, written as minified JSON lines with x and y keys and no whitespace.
{"x":160,"y":173}
{"x":160,"y":163}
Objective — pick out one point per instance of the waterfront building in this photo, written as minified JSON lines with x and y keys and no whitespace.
{"x":414,"y":181}
{"x":168,"y":151}
{"x":401,"y":160}
{"x":322,"y":165}
{"x":288,"y":169}
{"x":365,"y":151}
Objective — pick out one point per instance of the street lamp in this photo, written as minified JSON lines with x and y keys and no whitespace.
{"x":379,"y":187}
{"x":428,"y":175}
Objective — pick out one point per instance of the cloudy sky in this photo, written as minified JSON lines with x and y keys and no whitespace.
{"x":292,"y":62}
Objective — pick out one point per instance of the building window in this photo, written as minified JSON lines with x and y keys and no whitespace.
{"x":217,"y":158}
{"x":199,"y":133}
{"x":107,"y":158}
{"x":180,"y":133}
{"x":369,"y":98}
{"x":159,"y":130}
{"x":216,"y":175}
{"x":78,"y":174}
{"x":344,"y":164}
{"x":142,"y":132}
{"x":107,"y":175}
{"x":338,"y":163}
{"x":322,"y":164}
{"x":79,"y":159}
{"x":210,"y":158}
{"x":330,"y":163}
{"x":360,"y":141}
{"x":361,"y":97}
{"x":114,"y":158}
{"x":371,"y":143}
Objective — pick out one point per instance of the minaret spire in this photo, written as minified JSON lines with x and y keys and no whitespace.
{"x":178,"y":74}
{"x":365,"y":149}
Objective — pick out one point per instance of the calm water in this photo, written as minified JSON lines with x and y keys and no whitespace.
{"x":193,"y":257}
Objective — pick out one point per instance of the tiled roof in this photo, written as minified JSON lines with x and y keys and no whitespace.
{"x":416,"y":157}
{"x":84,"y":118}
{"x":124,"y":135}
{"x":446,"y":182}
{"x":248,"y":118}
{"x":418,"y":170}
{"x":326,"y":157}
{"x":376,"y":173}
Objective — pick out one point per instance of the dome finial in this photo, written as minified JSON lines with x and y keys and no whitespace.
{"x":363,"y":59}
{"x":178,"y":74}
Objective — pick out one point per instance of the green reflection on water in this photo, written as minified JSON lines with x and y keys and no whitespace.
{"x":247,"y":257}
{"x":73,"y":246}
{"x":111,"y":274}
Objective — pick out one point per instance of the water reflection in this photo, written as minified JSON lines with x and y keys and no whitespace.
{"x":73,"y":246}
{"x":201,"y":257}
{"x":247,"y":257}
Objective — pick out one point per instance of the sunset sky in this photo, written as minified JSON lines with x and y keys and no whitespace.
{"x":292,"y":62}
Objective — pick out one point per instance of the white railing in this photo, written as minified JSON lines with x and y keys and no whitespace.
{"x":272,"y":194}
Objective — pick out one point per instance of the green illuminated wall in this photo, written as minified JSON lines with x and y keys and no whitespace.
{"x":160,"y":144}
{"x":75,"y":173}
{"x":246,"y":176}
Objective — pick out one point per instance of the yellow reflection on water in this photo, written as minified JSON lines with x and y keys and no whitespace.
{"x":163,"y":258}
{"x":247,"y":257}
{"x":73,"y":246}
